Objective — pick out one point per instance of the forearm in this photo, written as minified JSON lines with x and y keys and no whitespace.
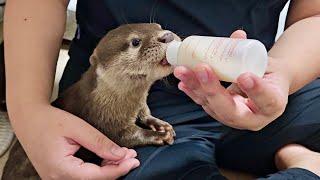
{"x":298,"y":51}
{"x":33,"y":33}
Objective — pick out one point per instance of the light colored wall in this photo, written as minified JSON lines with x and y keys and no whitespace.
{"x":282,"y":20}
{"x":72,"y":5}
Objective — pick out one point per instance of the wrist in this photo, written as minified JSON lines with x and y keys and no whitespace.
{"x":282,"y":72}
{"x":24,"y":112}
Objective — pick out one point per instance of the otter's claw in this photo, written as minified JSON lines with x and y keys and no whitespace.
{"x":161,"y":126}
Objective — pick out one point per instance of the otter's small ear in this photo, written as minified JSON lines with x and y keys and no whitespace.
{"x":93,"y":59}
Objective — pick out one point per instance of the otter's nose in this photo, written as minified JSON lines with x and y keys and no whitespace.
{"x":166,"y":38}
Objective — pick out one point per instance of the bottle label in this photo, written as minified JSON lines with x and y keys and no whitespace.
{"x":221,"y":53}
{"x":218,"y":49}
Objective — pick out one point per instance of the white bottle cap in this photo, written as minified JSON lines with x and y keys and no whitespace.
{"x":172,"y":52}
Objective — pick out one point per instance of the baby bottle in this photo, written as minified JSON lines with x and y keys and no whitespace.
{"x":228,"y":57}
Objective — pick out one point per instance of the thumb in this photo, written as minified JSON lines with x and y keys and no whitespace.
{"x":93,"y":140}
{"x":265,"y":98}
{"x":116,"y":171}
{"x":234,"y":89}
{"x":239,"y":34}
{"x":78,"y":169}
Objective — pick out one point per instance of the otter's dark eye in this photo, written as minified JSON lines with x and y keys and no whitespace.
{"x":135,"y":42}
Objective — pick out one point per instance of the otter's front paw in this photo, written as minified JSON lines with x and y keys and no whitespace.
{"x":159,"y":125}
{"x":165,"y":137}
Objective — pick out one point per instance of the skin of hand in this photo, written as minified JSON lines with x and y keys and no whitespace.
{"x":248,"y":104}
{"x":50,"y":136}
{"x":57,"y":135}
{"x":252,"y":102}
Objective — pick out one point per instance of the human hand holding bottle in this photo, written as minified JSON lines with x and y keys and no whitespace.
{"x":249,"y":103}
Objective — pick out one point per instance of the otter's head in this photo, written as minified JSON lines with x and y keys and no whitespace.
{"x":135,"y":52}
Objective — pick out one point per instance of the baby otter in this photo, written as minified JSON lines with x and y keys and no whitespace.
{"x":111,"y":95}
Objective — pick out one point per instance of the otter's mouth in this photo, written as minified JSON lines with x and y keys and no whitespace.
{"x":164,"y":62}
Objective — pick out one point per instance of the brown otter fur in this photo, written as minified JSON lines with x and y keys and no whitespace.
{"x":112,"y":93}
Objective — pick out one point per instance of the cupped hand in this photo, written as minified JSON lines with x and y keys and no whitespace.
{"x":52,"y":136}
{"x":251,"y":103}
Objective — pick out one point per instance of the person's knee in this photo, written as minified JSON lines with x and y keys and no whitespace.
{"x":283,"y":155}
{"x":297,"y":156}
{"x":291,"y":153}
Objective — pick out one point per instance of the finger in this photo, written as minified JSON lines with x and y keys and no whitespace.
{"x":209,"y":81}
{"x":219,"y":99}
{"x":197,"y":99}
{"x":234,"y":89}
{"x":187,"y":76}
{"x":209,"y":111}
{"x":84,"y":170}
{"x":262,"y":97}
{"x":93,"y":140}
{"x":130,"y":153}
{"x":122,"y":169}
{"x":227,"y":109}
{"x":239,"y":34}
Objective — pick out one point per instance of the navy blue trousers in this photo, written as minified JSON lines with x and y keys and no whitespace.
{"x":203,"y":144}
{"x":200,"y":147}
